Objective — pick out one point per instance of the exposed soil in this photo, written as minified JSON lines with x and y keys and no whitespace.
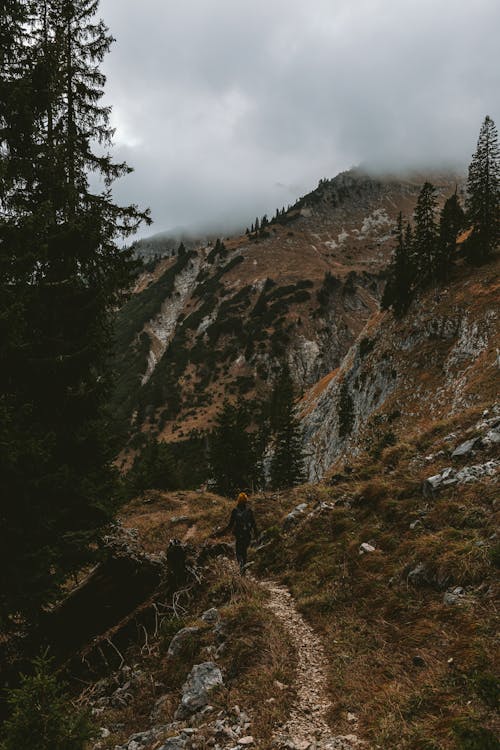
{"x":307,"y":727}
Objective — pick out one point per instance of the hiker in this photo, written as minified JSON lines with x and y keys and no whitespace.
{"x":241,"y":523}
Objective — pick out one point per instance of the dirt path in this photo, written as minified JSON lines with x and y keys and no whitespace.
{"x":307,"y":727}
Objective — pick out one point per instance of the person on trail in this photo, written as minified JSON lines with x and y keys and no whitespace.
{"x":241,"y":523}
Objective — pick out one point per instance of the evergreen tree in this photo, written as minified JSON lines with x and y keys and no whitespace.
{"x":231,"y":450}
{"x":154,"y":468}
{"x":61,"y":276}
{"x":451,"y":222}
{"x":398,"y":289}
{"x":287,"y":464}
{"x":42,"y":715}
{"x":345,"y":411}
{"x":426,"y":233}
{"x":483,"y":199}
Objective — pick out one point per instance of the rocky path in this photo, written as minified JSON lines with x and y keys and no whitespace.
{"x":307,"y":727}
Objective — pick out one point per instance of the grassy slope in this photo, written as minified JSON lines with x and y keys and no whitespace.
{"x":417,"y":673}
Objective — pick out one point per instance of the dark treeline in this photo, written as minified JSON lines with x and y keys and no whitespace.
{"x":258,"y":445}
{"x":255,"y":444}
{"x":61,"y":276}
{"x":426,"y":250}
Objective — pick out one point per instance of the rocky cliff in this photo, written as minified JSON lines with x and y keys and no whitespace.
{"x":440,"y":360}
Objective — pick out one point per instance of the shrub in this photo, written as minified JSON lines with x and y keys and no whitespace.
{"x":42,"y":716}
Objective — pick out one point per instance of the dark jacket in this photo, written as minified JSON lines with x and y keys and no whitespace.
{"x":242,"y":523}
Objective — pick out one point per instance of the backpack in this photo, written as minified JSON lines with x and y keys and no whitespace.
{"x":243,"y":522}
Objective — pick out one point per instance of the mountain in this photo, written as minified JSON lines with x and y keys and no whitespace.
{"x":367,"y":617}
{"x":219,"y":321}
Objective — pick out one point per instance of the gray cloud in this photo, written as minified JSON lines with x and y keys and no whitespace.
{"x":229,"y":108}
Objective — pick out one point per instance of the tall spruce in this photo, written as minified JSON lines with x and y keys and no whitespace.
{"x":398,"y":289}
{"x":231,"y":450}
{"x":425,"y":240}
{"x":483,"y":199}
{"x":61,"y":276}
{"x":287,"y":464}
{"x":451,"y":222}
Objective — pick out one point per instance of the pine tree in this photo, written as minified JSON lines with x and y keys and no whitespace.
{"x":483,"y":199}
{"x":399,"y":286}
{"x":42,"y":715}
{"x":287,"y":464}
{"x":231,"y":450}
{"x":426,"y":233}
{"x":345,"y":411}
{"x":61,"y":276}
{"x":451,"y":222}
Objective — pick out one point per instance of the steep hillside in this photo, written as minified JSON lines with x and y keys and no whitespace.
{"x":368,"y":617}
{"x":219,"y":320}
{"x":377,"y":629}
{"x":437,"y":362}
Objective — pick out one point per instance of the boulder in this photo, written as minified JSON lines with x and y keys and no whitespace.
{"x":453,"y":597}
{"x":294,"y":516}
{"x":211,"y":616}
{"x":202,"y":680}
{"x":445,"y":478}
{"x":492,"y":437}
{"x":365,"y":547}
{"x":466,"y":448}
{"x":479,"y":471}
{"x":174,"y":743}
{"x":180,"y":639}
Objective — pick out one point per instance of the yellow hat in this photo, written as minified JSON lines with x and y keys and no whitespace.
{"x":242,"y":498}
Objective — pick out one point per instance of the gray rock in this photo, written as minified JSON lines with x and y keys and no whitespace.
{"x":454,"y":596}
{"x":211,"y":616}
{"x":365,"y":547}
{"x":141,"y":739}
{"x":174,"y":743}
{"x":445,"y":478}
{"x":300,"y":508}
{"x":479,"y":471}
{"x":492,"y":437}
{"x":202,"y":679}
{"x":464,"y":449}
{"x":180,"y":639}
{"x":294,"y":516}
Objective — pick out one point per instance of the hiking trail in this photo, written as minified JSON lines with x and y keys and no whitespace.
{"x":307,"y":727}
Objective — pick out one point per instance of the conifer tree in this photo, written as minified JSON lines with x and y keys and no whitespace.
{"x":231,"y":450}
{"x":42,"y":715}
{"x":451,"y":222}
{"x":287,"y":464}
{"x":399,"y":287}
{"x":345,"y":411}
{"x":483,"y":199}
{"x":426,"y":233}
{"x":61,"y":275}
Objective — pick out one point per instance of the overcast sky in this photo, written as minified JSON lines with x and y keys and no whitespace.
{"x":229,"y":108}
